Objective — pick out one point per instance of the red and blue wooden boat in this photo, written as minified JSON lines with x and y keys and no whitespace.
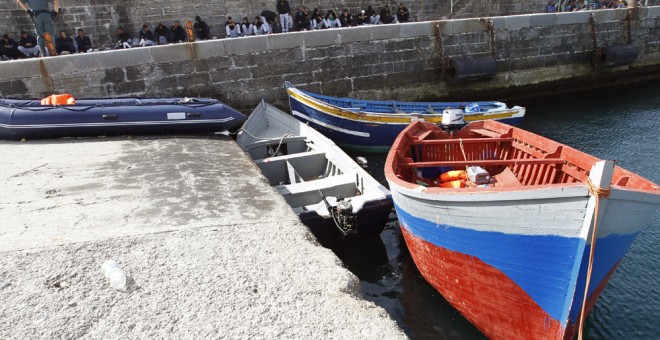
{"x":30,"y":119}
{"x":515,"y":253}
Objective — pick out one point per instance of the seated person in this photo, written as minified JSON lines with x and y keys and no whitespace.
{"x":162,"y":34}
{"x":275,"y":26}
{"x":233,"y":29}
{"x":146,"y":37}
{"x":259,"y":27}
{"x":386,"y":16}
{"x":178,"y":34}
{"x":402,"y":15}
{"x":362,"y":18}
{"x":346,"y":19}
{"x":64,"y":44}
{"x":9,"y":48}
{"x":373,"y":17}
{"x":246,"y":27}
{"x":331,"y":20}
{"x":552,"y":7}
{"x":84,"y":42}
{"x":301,"y":19}
{"x":317,"y":21}
{"x":202,"y":30}
{"x":28,"y":45}
{"x":124,"y":39}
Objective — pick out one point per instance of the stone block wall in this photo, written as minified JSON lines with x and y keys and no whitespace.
{"x":380,"y":62}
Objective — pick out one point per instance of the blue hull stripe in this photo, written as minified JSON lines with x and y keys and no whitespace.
{"x":546,"y":267}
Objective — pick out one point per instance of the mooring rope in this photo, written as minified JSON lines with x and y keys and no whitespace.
{"x":598,"y":193}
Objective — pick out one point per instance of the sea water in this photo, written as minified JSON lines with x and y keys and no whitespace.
{"x":621,"y":123}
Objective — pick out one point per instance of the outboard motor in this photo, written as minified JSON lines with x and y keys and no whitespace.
{"x":345,"y":219}
{"x":452,"y":119}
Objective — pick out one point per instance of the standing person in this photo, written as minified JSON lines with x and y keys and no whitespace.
{"x":373,"y":17}
{"x":162,"y":34}
{"x":246,"y":27}
{"x":64,"y":44}
{"x":402,"y":15}
{"x":202,"y":30}
{"x":301,"y":20}
{"x":42,"y":16}
{"x":285,"y":14}
{"x":233,"y":29}
{"x":9,"y":48}
{"x":28,"y":45}
{"x":178,"y":33}
{"x":146,"y":37}
{"x":84,"y":42}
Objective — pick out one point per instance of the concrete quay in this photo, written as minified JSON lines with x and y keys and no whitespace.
{"x":209,"y":249}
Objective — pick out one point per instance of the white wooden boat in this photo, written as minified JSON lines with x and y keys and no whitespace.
{"x":323,"y":185}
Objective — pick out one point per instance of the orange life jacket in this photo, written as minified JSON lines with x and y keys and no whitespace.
{"x":454,"y":175}
{"x":59,"y":99}
{"x":453,"y":184}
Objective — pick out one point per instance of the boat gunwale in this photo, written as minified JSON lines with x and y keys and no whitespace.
{"x":404,"y":140}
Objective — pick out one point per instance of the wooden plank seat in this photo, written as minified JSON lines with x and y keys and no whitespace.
{"x":406,"y":164}
{"x":485,"y":132}
{"x":418,"y":141}
{"x":506,"y":178}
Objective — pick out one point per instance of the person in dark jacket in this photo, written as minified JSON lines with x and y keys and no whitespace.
{"x":28,"y":45}
{"x":362,"y":18}
{"x":373,"y":17}
{"x":402,"y":15}
{"x":124,"y":39}
{"x":284,"y":11}
{"x":162,"y":34}
{"x":386,"y":16}
{"x":178,"y":34}
{"x":84,"y":42}
{"x":146,"y":37}
{"x":346,"y":19}
{"x":64,"y":44}
{"x":232,"y":29}
{"x":9,"y":48}
{"x":202,"y":30}
{"x":301,"y":20}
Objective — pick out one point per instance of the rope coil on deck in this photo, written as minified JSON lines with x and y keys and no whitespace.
{"x":598,"y":193}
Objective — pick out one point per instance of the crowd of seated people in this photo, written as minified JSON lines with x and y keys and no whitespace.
{"x":267,"y":22}
{"x":584,"y":5}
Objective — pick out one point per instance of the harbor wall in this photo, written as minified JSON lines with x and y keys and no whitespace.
{"x":381,"y":62}
{"x":101,"y":18}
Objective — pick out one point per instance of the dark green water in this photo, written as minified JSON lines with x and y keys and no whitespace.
{"x":617,"y":123}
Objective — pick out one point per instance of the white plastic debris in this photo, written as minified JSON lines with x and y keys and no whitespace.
{"x":114,"y":274}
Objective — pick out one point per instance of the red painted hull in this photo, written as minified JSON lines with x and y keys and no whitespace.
{"x":484,"y":295}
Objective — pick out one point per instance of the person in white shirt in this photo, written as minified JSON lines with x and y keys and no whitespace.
{"x":259,"y":27}
{"x":331,"y":20}
{"x":233,"y":29}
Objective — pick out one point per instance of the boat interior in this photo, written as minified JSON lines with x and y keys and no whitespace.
{"x":303,"y":175}
{"x":512,"y":157}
